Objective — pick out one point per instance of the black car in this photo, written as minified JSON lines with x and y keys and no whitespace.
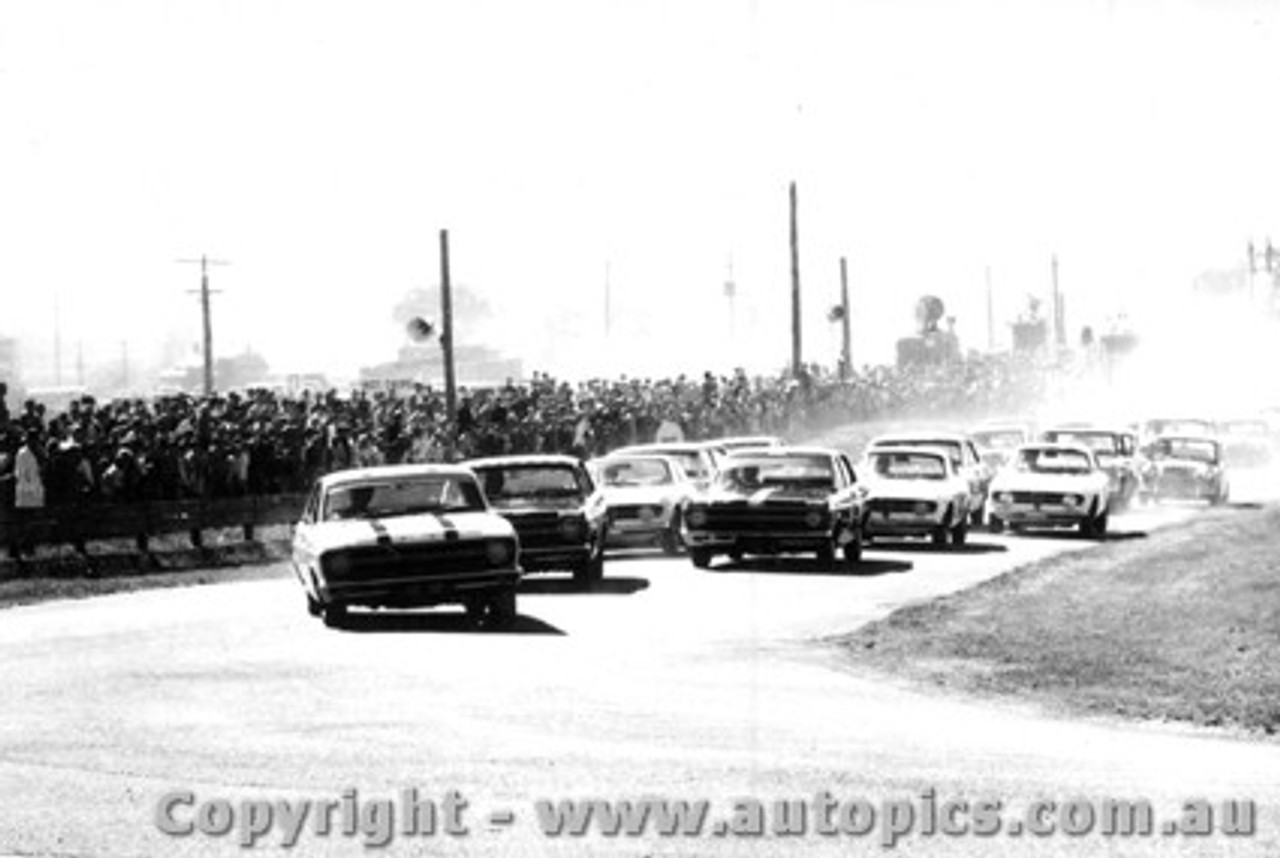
{"x":776,"y":501}
{"x":555,"y":508}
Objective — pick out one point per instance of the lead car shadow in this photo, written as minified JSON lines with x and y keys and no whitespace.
{"x":1077,"y":536}
{"x":439,"y":622}
{"x":864,"y":568}
{"x":926,"y":547}
{"x":609,"y":585}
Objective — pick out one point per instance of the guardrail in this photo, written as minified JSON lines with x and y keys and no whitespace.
{"x":77,"y":524}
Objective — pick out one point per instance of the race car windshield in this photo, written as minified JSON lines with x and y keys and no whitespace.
{"x":1053,"y":462}
{"x":751,"y":473}
{"x":637,"y":472}
{"x":403,"y":497}
{"x":950,"y":448}
{"x":1098,"y":442}
{"x":908,"y":466}
{"x":523,"y":482}
{"x":1191,"y":449}
{"x":691,"y":462}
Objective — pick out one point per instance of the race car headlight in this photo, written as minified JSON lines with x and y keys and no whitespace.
{"x":1073,"y":500}
{"x":923,"y":507}
{"x":499,"y":552}
{"x":1004,"y":497}
{"x":649,"y":513}
{"x":572,"y":528}
{"x":697,"y":517}
{"x":814,"y":518}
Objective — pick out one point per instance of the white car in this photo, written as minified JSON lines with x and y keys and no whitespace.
{"x":1051,"y":485}
{"x":643,"y":495}
{"x":701,"y":460}
{"x":405,"y":536}
{"x":964,"y":456}
{"x":914,"y":492}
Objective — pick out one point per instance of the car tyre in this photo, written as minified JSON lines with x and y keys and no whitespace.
{"x":334,"y":615}
{"x":852,"y":549}
{"x":1096,"y":527}
{"x":591,"y":571}
{"x":960,"y":533}
{"x":671,"y":541}
{"x":827,"y":554}
{"x":502,"y":608}
{"x":313,"y":606}
{"x":995,"y":524}
{"x":939,"y":535}
{"x":476,"y":610}
{"x":701,"y":557}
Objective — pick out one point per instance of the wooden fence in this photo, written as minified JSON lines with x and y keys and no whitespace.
{"x":77,"y":524}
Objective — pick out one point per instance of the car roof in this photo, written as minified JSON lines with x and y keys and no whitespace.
{"x":1182,"y":436}
{"x":525,"y":460}
{"x":391,"y":472}
{"x":920,"y":436}
{"x":618,"y":455}
{"x":912,"y":451}
{"x":744,"y":440}
{"x":1087,"y":429}
{"x":782,"y":452}
{"x":673,"y":446}
{"x":1049,"y":445}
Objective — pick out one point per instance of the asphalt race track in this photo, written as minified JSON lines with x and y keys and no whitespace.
{"x":666,"y":682}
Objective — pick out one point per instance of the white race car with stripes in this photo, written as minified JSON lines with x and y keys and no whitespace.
{"x":405,"y":536}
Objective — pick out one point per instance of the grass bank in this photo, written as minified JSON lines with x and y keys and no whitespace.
{"x":1183,"y":625}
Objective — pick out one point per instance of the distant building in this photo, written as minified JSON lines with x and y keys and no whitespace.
{"x":423,"y":363}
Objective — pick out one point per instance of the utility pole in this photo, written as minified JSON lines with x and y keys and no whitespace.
{"x":846,"y":332}
{"x":80,"y":363}
{"x":796,"y":364}
{"x":446,"y":345}
{"x":204,"y":262}
{"x":124,"y":365}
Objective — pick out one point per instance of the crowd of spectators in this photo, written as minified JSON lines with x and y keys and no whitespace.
{"x":259,"y":441}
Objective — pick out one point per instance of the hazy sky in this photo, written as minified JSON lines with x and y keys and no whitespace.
{"x":320,"y":146}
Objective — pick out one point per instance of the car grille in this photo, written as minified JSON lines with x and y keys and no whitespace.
{"x":1038,"y":497}
{"x":414,"y":561}
{"x":634,"y":512}
{"x":541,"y":530}
{"x":764,"y":518}
{"x":900,"y":505}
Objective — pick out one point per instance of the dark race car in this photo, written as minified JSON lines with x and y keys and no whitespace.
{"x":555,"y":507}
{"x":776,"y":501}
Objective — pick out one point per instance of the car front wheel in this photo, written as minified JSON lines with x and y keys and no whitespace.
{"x":334,"y":616}
{"x":701,"y":557}
{"x":502,"y":608}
